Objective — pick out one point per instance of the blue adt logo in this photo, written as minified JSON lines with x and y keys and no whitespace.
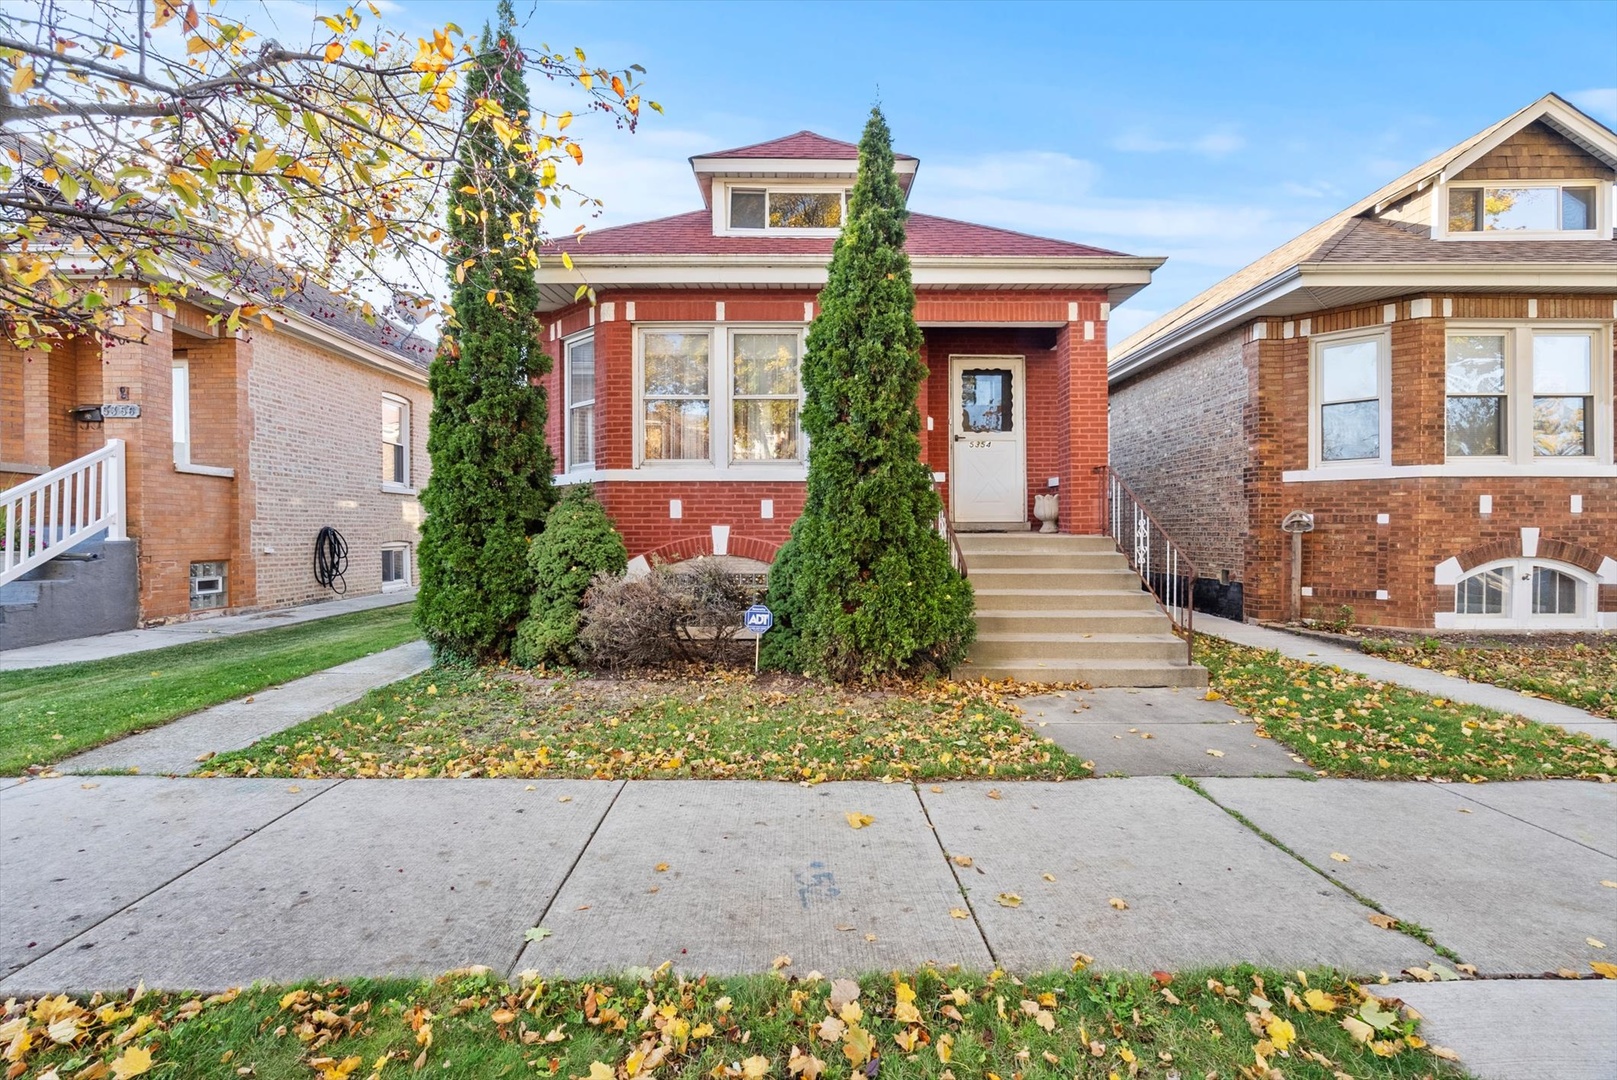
{"x":758,"y":619}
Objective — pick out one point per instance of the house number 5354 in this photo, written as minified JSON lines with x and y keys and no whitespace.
{"x":980,"y":444}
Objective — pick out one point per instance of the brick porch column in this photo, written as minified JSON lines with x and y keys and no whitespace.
{"x":1081,"y":393}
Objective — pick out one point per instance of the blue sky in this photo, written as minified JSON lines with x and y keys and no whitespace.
{"x":1207,"y":133}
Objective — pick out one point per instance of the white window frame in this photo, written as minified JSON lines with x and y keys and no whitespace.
{"x":1602,"y":229}
{"x":568,"y":344}
{"x":721,"y":206}
{"x":180,"y":412}
{"x":403,"y":582}
{"x":388,"y":483}
{"x":720,"y":398}
{"x":180,"y":409}
{"x":1316,"y":346}
{"x":1519,"y":392}
{"x":1518,"y":605}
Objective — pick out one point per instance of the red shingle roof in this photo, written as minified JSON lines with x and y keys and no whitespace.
{"x":804,"y":144}
{"x":692,"y":234}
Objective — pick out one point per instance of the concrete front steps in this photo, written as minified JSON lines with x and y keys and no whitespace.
{"x":1055,"y":608}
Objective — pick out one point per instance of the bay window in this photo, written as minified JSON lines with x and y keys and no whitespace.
{"x":718,"y":395}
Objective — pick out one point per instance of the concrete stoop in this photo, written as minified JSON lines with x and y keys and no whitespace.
{"x":1056,"y":608}
{"x":90,"y":590}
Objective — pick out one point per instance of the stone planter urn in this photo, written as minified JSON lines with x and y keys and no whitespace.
{"x":1047,"y":509}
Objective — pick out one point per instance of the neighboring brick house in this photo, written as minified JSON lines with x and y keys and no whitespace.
{"x":1429,"y":373}
{"x":676,"y":392}
{"x":245,"y":445}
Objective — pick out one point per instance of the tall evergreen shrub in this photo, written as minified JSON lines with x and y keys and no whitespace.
{"x":491,"y":469}
{"x":865,"y":583}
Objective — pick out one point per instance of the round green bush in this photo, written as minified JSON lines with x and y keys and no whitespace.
{"x":578,"y":543}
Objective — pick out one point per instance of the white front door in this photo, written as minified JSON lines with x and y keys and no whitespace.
{"x":988,"y":461}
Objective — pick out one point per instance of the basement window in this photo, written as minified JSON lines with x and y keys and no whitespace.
{"x":1525,"y":593}
{"x":395,"y":567}
{"x":209,"y":585}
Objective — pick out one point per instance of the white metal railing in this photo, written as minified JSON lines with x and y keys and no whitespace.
{"x":46,"y":516}
{"x":1154,"y":555}
{"x":945,"y":528}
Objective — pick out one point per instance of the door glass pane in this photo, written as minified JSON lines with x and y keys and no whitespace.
{"x":1464,"y":207}
{"x":1350,"y":431}
{"x":766,"y":364}
{"x":581,"y":371}
{"x":1559,"y":429}
{"x":1561,"y":363}
{"x":1520,"y":208}
{"x":1482,"y":594}
{"x":1554,"y":593}
{"x":985,"y":401}
{"x":676,"y":365}
{"x":805,"y":209}
{"x":1476,"y":425}
{"x":765,"y":429}
{"x":1348,"y":372}
{"x":1578,"y":208}
{"x":746,"y":209}
{"x":1476,"y":364}
{"x":677,"y":430}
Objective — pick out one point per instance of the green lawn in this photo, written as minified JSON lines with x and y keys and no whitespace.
{"x":1346,"y":724}
{"x":1579,"y":670}
{"x":48,"y":713}
{"x":925,"y":1025}
{"x":723,"y":725}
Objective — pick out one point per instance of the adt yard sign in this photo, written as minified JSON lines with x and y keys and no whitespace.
{"x":757,"y":619}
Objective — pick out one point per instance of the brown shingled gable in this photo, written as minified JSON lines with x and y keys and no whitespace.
{"x":802,"y":144}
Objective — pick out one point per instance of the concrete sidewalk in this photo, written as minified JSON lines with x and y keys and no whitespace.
{"x":212,"y":883}
{"x":1315,"y":651}
{"x":176,"y":747}
{"x":124,"y":642}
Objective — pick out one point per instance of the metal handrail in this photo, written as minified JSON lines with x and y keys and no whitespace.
{"x":1155,"y":556}
{"x":945,"y":529}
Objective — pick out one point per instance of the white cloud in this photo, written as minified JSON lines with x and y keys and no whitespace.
{"x":1601,"y":101}
{"x":1215,"y":143}
{"x":1025,"y":170}
{"x":637,"y":176}
{"x":1319,"y":189}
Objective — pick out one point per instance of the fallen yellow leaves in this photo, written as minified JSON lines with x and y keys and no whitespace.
{"x":1337,"y":856}
{"x":132,"y":1062}
{"x":1603,"y":969}
{"x":1596,"y":943}
{"x":1118,"y":903}
{"x":857,"y":820}
{"x":1008,"y":899}
{"x":959,"y":913}
{"x":1386,"y":922}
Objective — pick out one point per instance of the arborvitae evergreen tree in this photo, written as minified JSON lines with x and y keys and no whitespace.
{"x":491,"y":469}
{"x":871,"y":589}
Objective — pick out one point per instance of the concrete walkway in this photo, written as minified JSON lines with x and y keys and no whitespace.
{"x":210,"y":883}
{"x":1315,"y":651}
{"x":124,"y":642}
{"x":175,"y":748}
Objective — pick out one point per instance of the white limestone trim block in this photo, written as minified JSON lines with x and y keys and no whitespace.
{"x":1448,"y":572}
{"x":628,"y":310}
{"x":1089,"y":331}
{"x":1382,"y":594}
{"x":676,"y":509}
{"x":766,"y":508}
{"x":1608,"y":571}
{"x":721,"y":539}
{"x":1448,"y":307}
{"x":718,"y":311}
{"x":1421,"y":309}
{"x":638,"y":567}
{"x":1529,"y":542}
{"x":808,"y":311}
{"x":1484,"y":504}
{"x":609,"y":311}
{"x":1577,"y":504}
{"x":1389,"y":313}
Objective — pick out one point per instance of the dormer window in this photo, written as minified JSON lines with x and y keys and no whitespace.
{"x":785,"y":208}
{"x":1524,"y":208}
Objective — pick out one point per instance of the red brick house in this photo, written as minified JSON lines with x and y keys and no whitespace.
{"x":186,"y":471}
{"x":1428,"y":374}
{"x":676,"y":391}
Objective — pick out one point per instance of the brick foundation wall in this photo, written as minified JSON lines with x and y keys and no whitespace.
{"x":1179,"y":440}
